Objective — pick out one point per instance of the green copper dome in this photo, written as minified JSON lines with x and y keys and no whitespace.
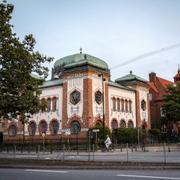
{"x":78,"y":60}
{"x":130,"y":77}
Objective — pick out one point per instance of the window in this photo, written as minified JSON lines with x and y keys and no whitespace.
{"x":32,"y":128}
{"x":162,"y":112}
{"x":43,"y":127}
{"x":75,"y":97}
{"x":130,"y":124}
{"x":12,"y":130}
{"x":122,"y":124}
{"x":43,"y":104}
{"x":114,"y":124}
{"x":98,"y":97}
{"x":49,"y":104}
{"x":126,"y":106}
{"x":54,"y":104}
{"x":54,"y":127}
{"x":114,"y":103}
{"x":143,"y":105}
{"x":75,"y":127}
{"x":130,"y":106}
{"x":118,"y":104}
{"x":122,"y":105}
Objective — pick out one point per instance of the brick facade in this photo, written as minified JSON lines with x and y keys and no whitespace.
{"x":138,"y":118}
{"x":64,"y":104}
{"x":87,"y":115}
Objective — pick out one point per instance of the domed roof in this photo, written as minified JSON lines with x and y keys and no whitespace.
{"x":130,"y":77}
{"x":80,"y":59}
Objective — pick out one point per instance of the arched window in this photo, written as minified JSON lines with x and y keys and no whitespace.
{"x":98,"y":97}
{"x":54,"y":127}
{"x":122,"y":123}
{"x":114,"y":103}
{"x":143,"y":105}
{"x":130,"y":124}
{"x":49,"y":104}
{"x":42,"y":126}
{"x":12,"y":130}
{"x":122,"y":105}
{"x":75,"y":127}
{"x":118,"y":104}
{"x":130,"y":106}
{"x":43,"y":104}
{"x":126,"y":105}
{"x":114,"y":124}
{"x":32,"y":128}
{"x":54,"y":104}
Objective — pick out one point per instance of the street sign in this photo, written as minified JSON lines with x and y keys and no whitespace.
{"x":65,"y":130}
{"x":95,"y":130}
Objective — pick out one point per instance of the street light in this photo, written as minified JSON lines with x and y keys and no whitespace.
{"x":103,"y":117}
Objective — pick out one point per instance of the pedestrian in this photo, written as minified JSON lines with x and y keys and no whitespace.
{"x":108,"y":142}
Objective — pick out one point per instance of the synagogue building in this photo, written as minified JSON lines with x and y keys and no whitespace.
{"x":81,"y":95}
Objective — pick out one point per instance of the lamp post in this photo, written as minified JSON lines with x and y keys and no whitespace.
{"x":103,"y":116}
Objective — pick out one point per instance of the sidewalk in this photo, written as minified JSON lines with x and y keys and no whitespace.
{"x":153,"y":157}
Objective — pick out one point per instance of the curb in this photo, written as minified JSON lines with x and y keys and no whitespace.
{"x":58,"y":164}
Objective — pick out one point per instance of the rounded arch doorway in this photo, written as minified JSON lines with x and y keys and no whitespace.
{"x":75,"y":127}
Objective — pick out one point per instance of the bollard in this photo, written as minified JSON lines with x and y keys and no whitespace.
{"x":164,"y":150}
{"x":127,"y":152}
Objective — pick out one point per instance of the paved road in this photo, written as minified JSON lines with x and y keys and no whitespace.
{"x":38,"y":174}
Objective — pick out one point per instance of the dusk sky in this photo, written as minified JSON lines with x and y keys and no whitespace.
{"x":112,"y":30}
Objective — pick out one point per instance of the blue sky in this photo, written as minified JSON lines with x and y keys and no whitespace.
{"x":113,"y":30}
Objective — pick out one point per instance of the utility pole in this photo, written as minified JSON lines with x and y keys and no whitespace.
{"x":103,"y":116}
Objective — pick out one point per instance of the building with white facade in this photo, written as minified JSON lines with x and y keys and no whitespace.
{"x":81,"y":95}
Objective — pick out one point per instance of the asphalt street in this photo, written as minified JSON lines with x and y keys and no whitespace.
{"x":45,"y":174}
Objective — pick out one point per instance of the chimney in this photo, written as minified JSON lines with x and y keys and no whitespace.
{"x":152,"y":77}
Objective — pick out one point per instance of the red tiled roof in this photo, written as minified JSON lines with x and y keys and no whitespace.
{"x":164,"y":82}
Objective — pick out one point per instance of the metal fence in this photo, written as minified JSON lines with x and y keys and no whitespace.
{"x":91,"y":152}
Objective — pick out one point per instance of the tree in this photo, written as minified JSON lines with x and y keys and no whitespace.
{"x":125,"y":135}
{"x":19,"y":92}
{"x":171,"y":107}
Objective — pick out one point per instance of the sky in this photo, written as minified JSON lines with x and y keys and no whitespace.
{"x":115,"y":31}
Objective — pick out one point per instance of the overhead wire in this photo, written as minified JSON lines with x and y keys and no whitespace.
{"x":142,"y":56}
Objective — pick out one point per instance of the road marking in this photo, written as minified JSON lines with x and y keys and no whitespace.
{"x":148,"y":177}
{"x":46,"y":171}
